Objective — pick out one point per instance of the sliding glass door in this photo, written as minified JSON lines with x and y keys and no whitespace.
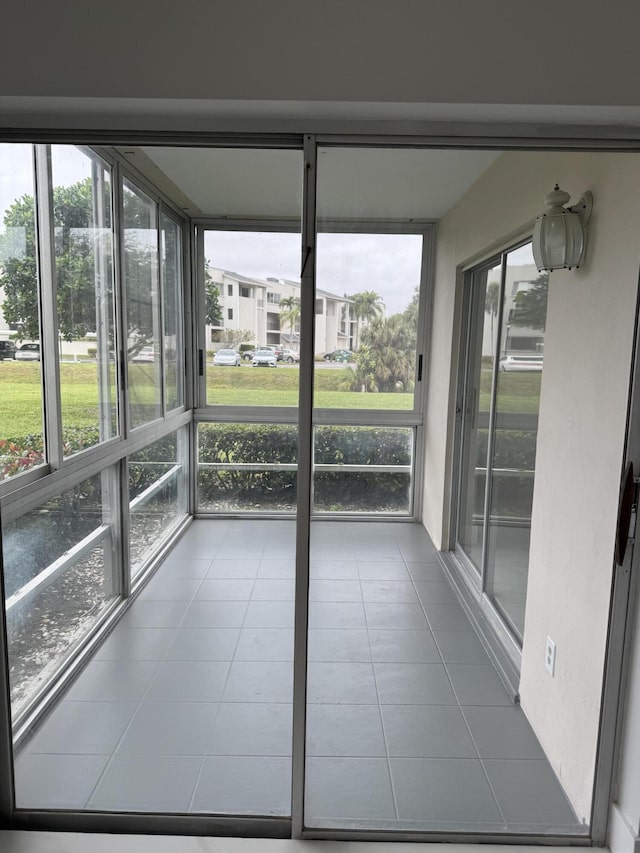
{"x":506,"y":302}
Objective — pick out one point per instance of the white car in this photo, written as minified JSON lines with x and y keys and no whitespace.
{"x":28,"y":352}
{"x":521,"y":362}
{"x":264,"y":357}
{"x":227,"y":358}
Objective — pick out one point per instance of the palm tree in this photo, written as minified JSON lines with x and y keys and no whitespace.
{"x":291,"y":313}
{"x":491,"y":305}
{"x":367,"y":306}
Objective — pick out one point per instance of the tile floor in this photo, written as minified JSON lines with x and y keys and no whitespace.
{"x":186,"y":707}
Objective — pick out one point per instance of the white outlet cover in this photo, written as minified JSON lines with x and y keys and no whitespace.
{"x":550,"y":656}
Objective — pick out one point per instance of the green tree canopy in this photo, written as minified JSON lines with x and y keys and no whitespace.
{"x":367,"y":305}
{"x":530,"y":306}
{"x":291,"y":313}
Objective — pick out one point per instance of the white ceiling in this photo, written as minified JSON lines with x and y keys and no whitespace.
{"x":362,"y":183}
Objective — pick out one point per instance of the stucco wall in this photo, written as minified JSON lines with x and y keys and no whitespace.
{"x":583,"y":407}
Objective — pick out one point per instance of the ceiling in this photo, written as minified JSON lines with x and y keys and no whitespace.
{"x":354,"y":183}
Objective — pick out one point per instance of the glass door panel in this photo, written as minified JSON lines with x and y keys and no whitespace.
{"x":517,"y":403}
{"x":480,"y":364}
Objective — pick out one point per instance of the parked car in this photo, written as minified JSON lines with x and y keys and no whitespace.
{"x":521,"y":362}
{"x":7,"y":350}
{"x":264,"y":357}
{"x":288,"y":355}
{"x":28,"y":352}
{"x":338,"y":355}
{"x":227,"y":358}
{"x":146,"y":354}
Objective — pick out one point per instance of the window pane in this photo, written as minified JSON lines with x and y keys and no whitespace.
{"x":362,"y":469}
{"x":140,"y":222}
{"x":247,"y":467}
{"x":85,"y":298}
{"x":60,"y":570}
{"x":21,"y":428}
{"x":157,"y":495}
{"x":514,"y":448}
{"x":481,"y":355}
{"x":256,"y":313}
{"x":171,"y":259}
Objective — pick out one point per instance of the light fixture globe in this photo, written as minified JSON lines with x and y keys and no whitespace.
{"x":559,"y":238}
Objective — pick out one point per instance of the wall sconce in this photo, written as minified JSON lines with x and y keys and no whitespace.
{"x":559,"y":237}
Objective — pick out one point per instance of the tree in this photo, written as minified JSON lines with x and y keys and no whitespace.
{"x":385,"y":360}
{"x":232,"y":338}
{"x":291,"y":313}
{"x":78,"y":246}
{"x":530,"y":308}
{"x":367,"y":307}
{"x":492,"y":305}
{"x":212,"y":307}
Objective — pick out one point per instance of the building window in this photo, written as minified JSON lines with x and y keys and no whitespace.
{"x":229,"y":313}
{"x":273,"y":298}
{"x":245,"y":292}
{"x":319,"y":306}
{"x":229,"y":290}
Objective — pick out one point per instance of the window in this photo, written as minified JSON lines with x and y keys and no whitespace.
{"x":273,"y":298}
{"x":229,"y":290}
{"x":229,"y":313}
{"x":319,"y":306}
{"x":173,"y":335}
{"x":245,"y":292}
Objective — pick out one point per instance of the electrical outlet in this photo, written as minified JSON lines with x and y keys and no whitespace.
{"x":550,"y":656}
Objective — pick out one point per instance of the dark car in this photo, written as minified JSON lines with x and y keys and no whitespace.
{"x":7,"y":350}
{"x":338,"y":355}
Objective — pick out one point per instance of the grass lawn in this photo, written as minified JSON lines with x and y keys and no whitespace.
{"x":21,"y":402}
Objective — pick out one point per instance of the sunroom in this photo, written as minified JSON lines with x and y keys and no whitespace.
{"x":310,"y":487}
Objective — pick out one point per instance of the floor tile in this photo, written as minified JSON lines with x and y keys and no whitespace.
{"x":242,"y":784}
{"x":170,"y":589}
{"x":92,"y":728}
{"x":38,"y":778}
{"x":452,"y":790}
{"x":426,"y":731}
{"x":188,"y":681}
{"x":339,"y":644}
{"x":136,"y":644}
{"x":333,"y":569}
{"x":322,"y":551}
{"x":341,"y":683}
{"x":169,"y":728}
{"x":154,"y":614}
{"x":238,"y":568}
{"x":225,"y":589}
{"x":336,"y":614}
{"x":476,"y":684}
{"x":406,"y":646}
{"x":112,"y":681}
{"x":372,"y":551}
{"x":259,"y":681}
{"x":274,"y":590}
{"x":383,"y":570}
{"x":395,"y":614}
{"x":346,"y":730}
{"x":502,"y":733}
{"x":277,"y":569}
{"x":447,"y":617}
{"x":203,"y":644}
{"x":460,"y":647}
{"x":252,"y":728}
{"x":175,"y":568}
{"x":528,"y":792}
{"x":413,"y":684}
{"x":215,"y":614}
{"x":435,"y":592}
{"x":421,"y":571}
{"x":154,"y":783}
{"x":262,"y":644}
{"x":240,"y":552}
{"x":334,"y":590}
{"x":348,"y":789}
{"x":269,"y":614}
{"x":388,"y":591}
{"x":417,"y":552}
